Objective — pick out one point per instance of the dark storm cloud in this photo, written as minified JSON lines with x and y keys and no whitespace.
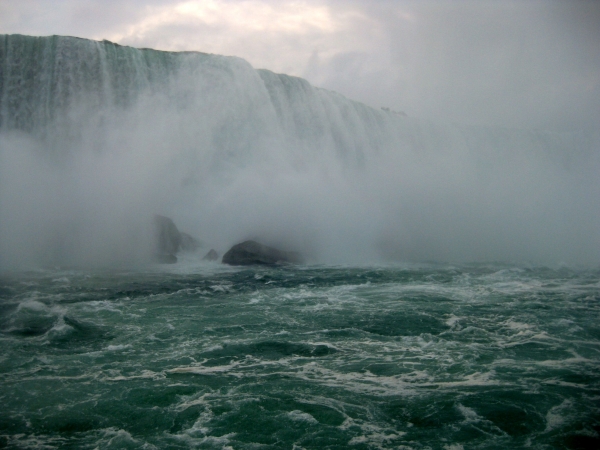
{"x":507,"y":63}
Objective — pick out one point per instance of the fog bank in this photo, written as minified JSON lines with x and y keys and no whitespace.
{"x":96,"y":138}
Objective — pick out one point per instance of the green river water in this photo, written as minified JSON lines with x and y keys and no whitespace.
{"x":206,"y":356}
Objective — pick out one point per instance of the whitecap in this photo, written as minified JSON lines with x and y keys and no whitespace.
{"x":112,"y":348}
{"x":301,"y":416}
{"x":221,"y":288}
{"x":61,"y":280}
{"x":557,"y":415}
{"x":469,"y":414}
{"x":205,"y":370}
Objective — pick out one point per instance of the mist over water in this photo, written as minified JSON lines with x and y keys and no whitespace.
{"x":96,"y":138}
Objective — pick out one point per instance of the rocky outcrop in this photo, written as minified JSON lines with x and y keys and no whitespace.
{"x":168,"y":240}
{"x":168,"y":237}
{"x":254,"y":253}
{"x":212,"y":255}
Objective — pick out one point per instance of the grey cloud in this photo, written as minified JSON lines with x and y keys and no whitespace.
{"x":517,"y":64}
{"x":82,"y":18}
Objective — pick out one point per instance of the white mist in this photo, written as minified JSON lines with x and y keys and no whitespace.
{"x":90,"y":150}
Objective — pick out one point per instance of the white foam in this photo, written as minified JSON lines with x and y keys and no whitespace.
{"x":61,"y":280}
{"x":207,"y":370}
{"x":33,"y":305}
{"x":300,"y":416}
{"x":122,"y":437}
{"x":557,"y":415}
{"x":104,"y":305}
{"x":474,"y":379}
{"x":203,"y":400}
{"x":469,"y":414}
{"x":376,"y":439}
{"x":213,"y":347}
{"x":452,"y":321}
{"x":373,"y":435}
{"x":221,"y":287}
{"x":22,"y":440}
{"x":145,"y":374}
{"x":514,"y":325}
{"x":113,"y":348}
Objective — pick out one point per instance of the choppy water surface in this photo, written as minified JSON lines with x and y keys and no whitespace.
{"x":205,"y":356}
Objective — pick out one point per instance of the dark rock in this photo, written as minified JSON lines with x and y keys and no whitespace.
{"x":168,"y":240}
{"x":252,"y":252}
{"x":212,"y":255}
{"x":168,"y":237}
{"x":189,"y":243}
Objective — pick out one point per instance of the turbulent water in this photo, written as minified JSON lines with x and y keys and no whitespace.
{"x":347,"y":351}
{"x":206,"y":356}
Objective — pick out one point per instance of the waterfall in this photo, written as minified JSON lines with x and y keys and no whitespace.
{"x":96,"y":137}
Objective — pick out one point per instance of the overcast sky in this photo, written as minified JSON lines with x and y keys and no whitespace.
{"x":507,"y":63}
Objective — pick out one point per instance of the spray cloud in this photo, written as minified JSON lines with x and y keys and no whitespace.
{"x":95,"y":138}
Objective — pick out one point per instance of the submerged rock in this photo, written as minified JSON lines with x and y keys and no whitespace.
{"x":212,"y":255}
{"x":252,"y":252}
